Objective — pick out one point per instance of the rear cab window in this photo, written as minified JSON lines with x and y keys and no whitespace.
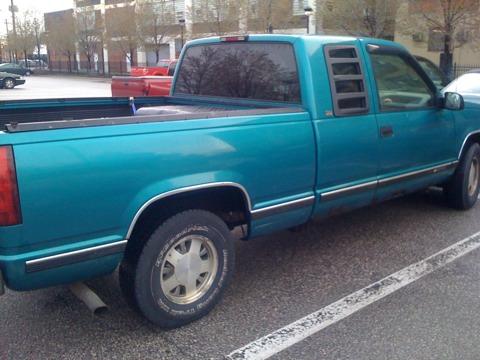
{"x":244,"y":70}
{"x":347,"y":80}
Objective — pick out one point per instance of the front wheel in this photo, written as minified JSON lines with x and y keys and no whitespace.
{"x":183,"y":269}
{"x":8,"y":83}
{"x":463,"y":189}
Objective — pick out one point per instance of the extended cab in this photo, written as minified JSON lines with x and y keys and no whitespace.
{"x":260,"y":133}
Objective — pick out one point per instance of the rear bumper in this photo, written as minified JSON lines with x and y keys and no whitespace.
{"x":30,"y":271}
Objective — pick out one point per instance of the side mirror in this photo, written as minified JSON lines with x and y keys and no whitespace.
{"x":454,"y":101}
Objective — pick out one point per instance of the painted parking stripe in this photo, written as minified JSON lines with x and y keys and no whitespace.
{"x":299,"y":330}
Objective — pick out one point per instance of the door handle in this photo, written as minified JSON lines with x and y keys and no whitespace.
{"x":386,"y":131}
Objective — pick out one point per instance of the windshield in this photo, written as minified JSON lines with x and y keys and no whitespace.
{"x":264,"y":71}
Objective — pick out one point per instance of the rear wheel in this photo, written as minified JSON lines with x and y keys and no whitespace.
{"x":8,"y":83}
{"x":183,"y":269}
{"x":463,"y":189}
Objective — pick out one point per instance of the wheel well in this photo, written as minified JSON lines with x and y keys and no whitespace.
{"x":228,"y":203}
{"x":474,"y":138}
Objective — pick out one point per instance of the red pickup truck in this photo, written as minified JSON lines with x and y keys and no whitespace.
{"x":163,"y":68}
{"x":148,"y":85}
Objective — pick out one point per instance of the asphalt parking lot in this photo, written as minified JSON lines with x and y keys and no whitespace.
{"x":58,"y":86}
{"x":280,"y":279}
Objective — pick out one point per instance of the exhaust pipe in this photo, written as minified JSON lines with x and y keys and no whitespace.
{"x":89,"y":298}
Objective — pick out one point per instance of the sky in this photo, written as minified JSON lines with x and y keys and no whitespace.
{"x":37,"y":6}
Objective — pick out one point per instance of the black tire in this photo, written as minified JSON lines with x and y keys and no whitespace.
{"x":458,"y":193}
{"x":28,"y":73}
{"x":141,"y":277}
{"x":8,"y":83}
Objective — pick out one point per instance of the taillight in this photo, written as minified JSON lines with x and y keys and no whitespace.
{"x":9,"y":201}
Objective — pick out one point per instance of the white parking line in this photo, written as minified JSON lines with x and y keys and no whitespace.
{"x":299,"y":330}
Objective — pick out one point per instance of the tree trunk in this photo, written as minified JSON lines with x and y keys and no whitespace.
{"x":446,"y":59}
{"x":132,"y":60}
{"x":69,"y":62}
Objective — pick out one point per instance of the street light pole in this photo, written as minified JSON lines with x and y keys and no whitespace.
{"x":182,"y":25}
{"x":14,"y":9}
{"x":308,"y":12}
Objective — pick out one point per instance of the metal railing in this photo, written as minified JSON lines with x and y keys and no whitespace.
{"x":460,"y":69}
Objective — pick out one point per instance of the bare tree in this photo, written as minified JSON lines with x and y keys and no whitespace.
{"x":458,"y":21}
{"x":216,"y":16}
{"x":25,"y":39}
{"x":268,"y":15}
{"x":38,"y":32}
{"x":88,"y":32}
{"x":121,"y":31}
{"x":156,"y":20}
{"x":372,"y":18}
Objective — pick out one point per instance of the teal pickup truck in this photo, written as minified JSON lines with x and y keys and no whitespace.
{"x":260,"y":133}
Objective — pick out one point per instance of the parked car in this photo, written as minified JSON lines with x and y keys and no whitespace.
{"x":9,"y":81}
{"x":34,"y":64}
{"x":18,"y":69}
{"x":468,"y":85}
{"x":163,"y":68}
{"x":433,"y":71}
{"x":277,"y":130}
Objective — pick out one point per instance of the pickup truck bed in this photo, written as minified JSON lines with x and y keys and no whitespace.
{"x":22,"y":115}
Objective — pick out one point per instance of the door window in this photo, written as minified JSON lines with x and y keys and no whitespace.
{"x":399,"y":85}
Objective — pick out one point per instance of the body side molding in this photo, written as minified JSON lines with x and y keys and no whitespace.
{"x":73,"y":257}
{"x":283,"y":207}
{"x":371,"y":185}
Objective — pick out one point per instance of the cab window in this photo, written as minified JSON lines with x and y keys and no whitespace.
{"x":399,"y":85}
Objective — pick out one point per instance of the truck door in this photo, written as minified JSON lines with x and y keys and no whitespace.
{"x":347,"y":134}
{"x":416,"y":137}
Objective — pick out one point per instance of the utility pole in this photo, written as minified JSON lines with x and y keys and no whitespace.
{"x":14,"y":9}
{"x":9,"y":48}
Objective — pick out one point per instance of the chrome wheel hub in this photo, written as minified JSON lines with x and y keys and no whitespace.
{"x":473,"y":176}
{"x":189,"y":269}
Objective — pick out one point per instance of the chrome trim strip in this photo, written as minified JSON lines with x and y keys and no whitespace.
{"x":413,"y":174}
{"x":278,"y":208}
{"x":465,"y":141}
{"x":67,"y":258}
{"x":182,"y":190}
{"x":334,"y":194}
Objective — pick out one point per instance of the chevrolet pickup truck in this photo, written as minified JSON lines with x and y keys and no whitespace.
{"x":260,"y":133}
